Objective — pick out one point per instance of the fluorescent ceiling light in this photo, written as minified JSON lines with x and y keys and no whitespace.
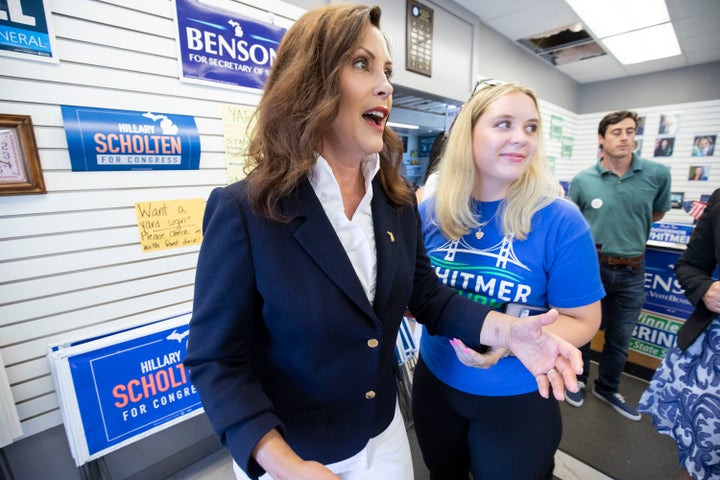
{"x":644,"y":45}
{"x":402,"y":125}
{"x":610,"y":17}
{"x":634,"y":31}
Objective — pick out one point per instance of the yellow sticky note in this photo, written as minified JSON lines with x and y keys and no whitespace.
{"x":164,"y":224}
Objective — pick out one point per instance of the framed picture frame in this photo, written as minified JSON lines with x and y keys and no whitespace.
{"x":20,"y":170}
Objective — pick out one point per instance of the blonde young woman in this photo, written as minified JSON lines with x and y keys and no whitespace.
{"x":497,"y":231}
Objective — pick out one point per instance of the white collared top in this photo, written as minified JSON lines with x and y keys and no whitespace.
{"x":356,"y":235}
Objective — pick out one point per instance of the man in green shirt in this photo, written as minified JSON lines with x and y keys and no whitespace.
{"x":620,"y":196}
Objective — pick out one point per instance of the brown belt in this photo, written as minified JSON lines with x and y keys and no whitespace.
{"x":634,"y":262}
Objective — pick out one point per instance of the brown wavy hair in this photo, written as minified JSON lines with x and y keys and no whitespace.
{"x":300,"y":102}
{"x":614,"y":118}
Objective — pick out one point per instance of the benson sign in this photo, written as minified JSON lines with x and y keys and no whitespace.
{"x":222,"y":46}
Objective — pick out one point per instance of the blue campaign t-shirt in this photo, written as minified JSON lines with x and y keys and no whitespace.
{"x":556,"y":266}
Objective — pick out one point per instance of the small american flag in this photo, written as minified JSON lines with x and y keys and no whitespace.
{"x":694,"y":208}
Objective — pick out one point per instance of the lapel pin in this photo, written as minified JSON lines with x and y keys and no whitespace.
{"x":391,"y":236}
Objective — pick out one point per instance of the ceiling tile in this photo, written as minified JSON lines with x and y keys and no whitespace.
{"x":490,"y":10}
{"x":594,"y":69}
{"x":696,"y":22}
{"x":656,"y":65}
{"x":698,"y":43}
{"x":691,"y":8}
{"x":539,"y":18}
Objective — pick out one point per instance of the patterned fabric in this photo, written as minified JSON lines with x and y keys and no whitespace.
{"x":683,"y":400}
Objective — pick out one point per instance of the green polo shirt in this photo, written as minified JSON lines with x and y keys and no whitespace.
{"x":619,"y":210}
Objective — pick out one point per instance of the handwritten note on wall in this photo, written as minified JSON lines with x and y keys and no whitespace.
{"x":167,"y":224}
{"x":236,"y":121}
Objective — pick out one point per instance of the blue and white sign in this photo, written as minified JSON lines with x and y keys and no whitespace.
{"x":670,"y":233}
{"x":117,"y":389}
{"x":101,"y":139}
{"x":664,"y":295}
{"x":222,"y":46}
{"x":665,"y":308}
{"x":26,"y":30}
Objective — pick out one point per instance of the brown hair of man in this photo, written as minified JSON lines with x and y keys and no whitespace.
{"x":616,"y":117}
{"x":300,"y":102}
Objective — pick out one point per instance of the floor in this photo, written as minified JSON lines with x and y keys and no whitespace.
{"x":218,"y":467}
{"x":597,"y":444}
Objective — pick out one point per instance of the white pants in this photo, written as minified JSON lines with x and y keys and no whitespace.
{"x":386,"y":456}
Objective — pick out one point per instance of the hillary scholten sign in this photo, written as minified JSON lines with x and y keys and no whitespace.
{"x":101,"y":139}
{"x":119,"y":388}
{"x":26,"y":30}
{"x":223,"y":46}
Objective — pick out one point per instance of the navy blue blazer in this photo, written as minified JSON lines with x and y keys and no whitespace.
{"x":695,"y":268}
{"x":283,"y":336}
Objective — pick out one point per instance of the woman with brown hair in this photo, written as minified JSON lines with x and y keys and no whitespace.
{"x":308,"y":265}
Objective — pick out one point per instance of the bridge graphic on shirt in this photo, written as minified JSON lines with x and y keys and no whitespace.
{"x":502,"y":252}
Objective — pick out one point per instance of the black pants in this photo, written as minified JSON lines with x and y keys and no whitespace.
{"x":511,"y":437}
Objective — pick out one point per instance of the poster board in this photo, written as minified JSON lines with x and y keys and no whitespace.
{"x":118,"y":388}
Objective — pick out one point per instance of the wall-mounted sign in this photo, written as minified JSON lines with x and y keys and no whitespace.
{"x":556,"y":127}
{"x":102,"y":139}
{"x":26,"y":30}
{"x":224,"y":47}
{"x":419,"y":38}
{"x":566,"y":147}
{"x":119,"y":388}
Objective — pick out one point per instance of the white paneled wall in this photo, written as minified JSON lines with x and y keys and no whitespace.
{"x":695,"y":119}
{"x":70,"y":260}
{"x":563,"y":166}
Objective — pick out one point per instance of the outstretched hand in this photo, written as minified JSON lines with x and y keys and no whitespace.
{"x":553,"y":361}
{"x":472,"y":358}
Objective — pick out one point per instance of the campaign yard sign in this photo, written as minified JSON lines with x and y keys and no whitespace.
{"x":671,"y":233}
{"x":224,"y":47}
{"x":102,"y":139}
{"x":665,"y":308}
{"x":664,"y":295}
{"x":119,"y":388}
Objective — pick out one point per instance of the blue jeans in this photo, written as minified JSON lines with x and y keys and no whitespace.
{"x":624,"y":298}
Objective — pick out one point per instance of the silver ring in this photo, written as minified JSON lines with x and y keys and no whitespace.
{"x":551,"y":371}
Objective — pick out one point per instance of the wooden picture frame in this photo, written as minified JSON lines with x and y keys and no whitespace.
{"x":20,"y":170}
{"x":418,"y":38}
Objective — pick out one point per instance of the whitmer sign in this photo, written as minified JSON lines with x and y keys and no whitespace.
{"x":223,"y":46}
